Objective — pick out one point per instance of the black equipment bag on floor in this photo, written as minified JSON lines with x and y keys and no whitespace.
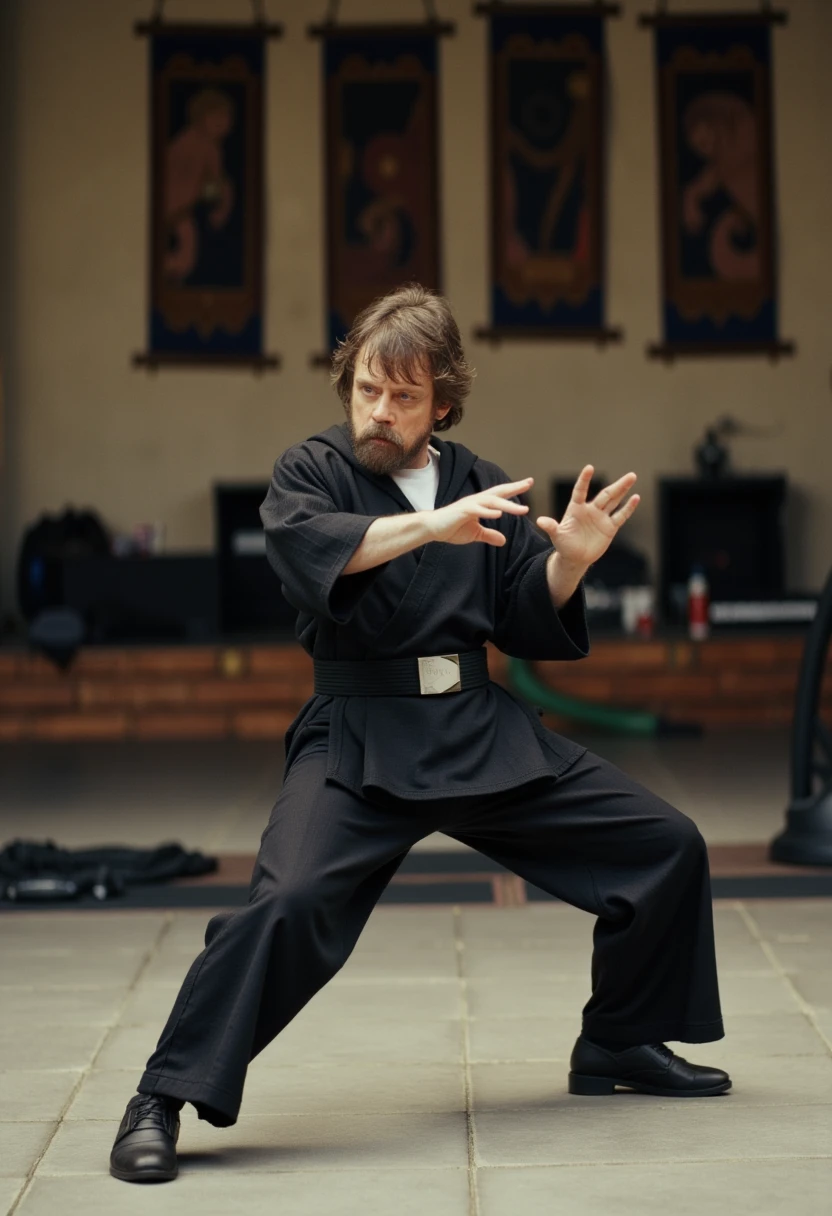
{"x":41,"y":872}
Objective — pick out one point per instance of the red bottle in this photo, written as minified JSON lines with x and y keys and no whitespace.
{"x":698,"y":604}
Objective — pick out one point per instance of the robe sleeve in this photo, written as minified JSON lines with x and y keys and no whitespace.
{"x":528,"y":626}
{"x":309,"y":541}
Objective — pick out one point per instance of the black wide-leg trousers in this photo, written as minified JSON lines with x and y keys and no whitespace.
{"x":592,"y":837}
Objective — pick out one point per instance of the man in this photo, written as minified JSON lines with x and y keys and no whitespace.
{"x":403,"y":554}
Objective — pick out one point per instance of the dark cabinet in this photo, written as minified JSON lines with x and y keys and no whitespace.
{"x":731,"y":527}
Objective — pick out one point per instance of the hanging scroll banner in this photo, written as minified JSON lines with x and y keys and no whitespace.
{"x":381,"y":154}
{"x":206,"y":195}
{"x":716,"y":157}
{"x":547,"y":77}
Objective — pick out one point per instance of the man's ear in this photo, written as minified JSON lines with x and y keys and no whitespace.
{"x":439,"y":412}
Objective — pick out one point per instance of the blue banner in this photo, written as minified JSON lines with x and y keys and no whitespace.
{"x":716,"y":170}
{"x":547,"y":171}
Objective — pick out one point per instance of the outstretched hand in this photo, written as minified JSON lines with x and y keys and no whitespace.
{"x":587,"y":528}
{"x":459,"y":522}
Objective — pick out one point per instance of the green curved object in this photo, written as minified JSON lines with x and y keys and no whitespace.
{"x":625,"y":721}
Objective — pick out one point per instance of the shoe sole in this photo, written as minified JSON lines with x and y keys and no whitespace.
{"x":145,"y":1175}
{"x":597,"y":1087}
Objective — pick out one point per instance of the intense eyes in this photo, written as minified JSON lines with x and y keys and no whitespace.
{"x":370,"y":390}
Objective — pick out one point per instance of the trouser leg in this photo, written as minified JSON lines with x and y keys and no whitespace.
{"x":598,"y":840}
{"x":324,"y":860}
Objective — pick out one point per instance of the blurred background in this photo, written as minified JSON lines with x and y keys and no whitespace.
{"x":142,"y":631}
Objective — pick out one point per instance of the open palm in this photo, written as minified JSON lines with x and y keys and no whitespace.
{"x":586,"y":529}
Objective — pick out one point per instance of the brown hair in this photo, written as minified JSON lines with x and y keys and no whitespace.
{"x":410,"y":328}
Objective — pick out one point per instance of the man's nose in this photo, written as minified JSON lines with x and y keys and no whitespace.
{"x":381,"y":409}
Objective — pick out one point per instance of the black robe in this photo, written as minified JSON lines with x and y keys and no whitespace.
{"x":437,"y":599}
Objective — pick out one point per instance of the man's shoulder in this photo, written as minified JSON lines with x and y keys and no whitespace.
{"x":481,"y":470}
{"x":489,"y":473}
{"x":317,"y":450}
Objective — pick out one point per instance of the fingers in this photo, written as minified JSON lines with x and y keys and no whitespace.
{"x":582,"y":484}
{"x":621,"y":517}
{"x":490,"y":536}
{"x":548,"y":524}
{"x":503,"y":504}
{"x":510,"y":488}
{"x":609,"y":498}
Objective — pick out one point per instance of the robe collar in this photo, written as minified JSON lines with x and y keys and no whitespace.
{"x":455,"y":463}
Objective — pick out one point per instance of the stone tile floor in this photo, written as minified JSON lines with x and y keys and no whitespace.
{"x":428,"y":1078}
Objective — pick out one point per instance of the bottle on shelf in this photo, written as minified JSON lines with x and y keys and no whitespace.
{"x":698,"y":604}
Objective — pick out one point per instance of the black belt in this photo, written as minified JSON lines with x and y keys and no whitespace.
{"x":426,"y":676}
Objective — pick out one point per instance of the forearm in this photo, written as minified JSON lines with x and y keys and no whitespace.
{"x":563,"y":579}
{"x":388,"y":537}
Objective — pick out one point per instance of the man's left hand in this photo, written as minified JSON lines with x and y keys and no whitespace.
{"x":586,"y":529}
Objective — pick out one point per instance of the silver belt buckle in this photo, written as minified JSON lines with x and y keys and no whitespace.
{"x":439,"y":673}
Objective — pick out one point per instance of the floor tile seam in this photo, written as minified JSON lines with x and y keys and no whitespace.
{"x":476,"y":1108}
{"x":617,"y":1161}
{"x":495,"y":1060}
{"x":335,"y":1112}
{"x":551,"y":1013}
{"x":163,"y":929}
{"x":431,"y":1112}
{"x":13,"y":1122}
{"x":36,"y":1024}
{"x":395,"y":981}
{"x":356,"y":1061}
{"x":478,"y":1061}
{"x":803,"y":1005}
{"x":57,"y":1124}
{"x":467,"y":1081}
{"x":399,"y":984}
{"x":61,"y":987}
{"x":32,"y":1171}
{"x":69,"y":910}
{"x":591,"y":1165}
{"x":46,"y":1071}
{"x":311,"y":1024}
{"x":654,"y":1104}
{"x":365,"y":1064}
{"x":223,"y":1170}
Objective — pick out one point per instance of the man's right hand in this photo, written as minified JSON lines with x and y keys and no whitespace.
{"x":459,"y":522}
{"x":390,"y":536}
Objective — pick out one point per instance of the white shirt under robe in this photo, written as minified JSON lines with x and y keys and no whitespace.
{"x":419,"y":486}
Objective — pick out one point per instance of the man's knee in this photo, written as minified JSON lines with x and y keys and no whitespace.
{"x":685,"y":839}
{"x":299,"y":905}
{"x":299,"y":902}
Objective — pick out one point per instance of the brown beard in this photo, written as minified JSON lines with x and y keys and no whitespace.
{"x":388,"y":457}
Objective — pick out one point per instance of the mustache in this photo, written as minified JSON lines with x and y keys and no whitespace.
{"x":374,"y":431}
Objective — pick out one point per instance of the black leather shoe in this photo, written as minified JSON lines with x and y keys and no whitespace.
{"x":145,"y":1146}
{"x":652,"y":1069}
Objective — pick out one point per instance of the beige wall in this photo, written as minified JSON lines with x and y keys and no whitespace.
{"x":82,"y":426}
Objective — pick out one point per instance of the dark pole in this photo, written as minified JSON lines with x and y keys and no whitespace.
{"x":807,"y":838}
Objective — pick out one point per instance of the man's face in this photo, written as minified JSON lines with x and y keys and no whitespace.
{"x":390,"y":421}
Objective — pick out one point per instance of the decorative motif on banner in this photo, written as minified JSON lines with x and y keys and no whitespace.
{"x":547,"y":78}
{"x":381,"y":154}
{"x":206,"y":194}
{"x":716,"y":169}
